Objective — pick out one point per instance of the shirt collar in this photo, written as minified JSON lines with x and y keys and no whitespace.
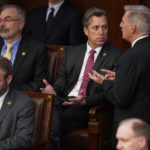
{"x":133,"y":43}
{"x":57,"y":6}
{"x":97,"y":49}
{"x":15,"y":43}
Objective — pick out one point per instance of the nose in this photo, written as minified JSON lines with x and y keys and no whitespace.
{"x":101,"y":31}
{"x":118,"y":146}
{"x":120,"y":24}
{"x":2,"y":23}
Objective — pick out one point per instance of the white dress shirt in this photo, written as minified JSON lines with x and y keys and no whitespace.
{"x":76,"y":89}
{"x":142,"y":37}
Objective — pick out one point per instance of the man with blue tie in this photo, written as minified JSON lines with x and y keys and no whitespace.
{"x":28,"y":56}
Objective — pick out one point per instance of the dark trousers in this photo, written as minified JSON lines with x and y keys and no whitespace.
{"x":66,"y":119}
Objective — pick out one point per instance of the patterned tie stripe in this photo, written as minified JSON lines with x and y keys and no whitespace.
{"x":88,"y":68}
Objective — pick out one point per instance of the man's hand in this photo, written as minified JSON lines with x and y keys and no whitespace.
{"x":95,"y":76}
{"x":79,"y":101}
{"x":110,"y":75}
{"x":48,"y":88}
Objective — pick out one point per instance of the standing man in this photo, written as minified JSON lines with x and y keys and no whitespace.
{"x":72,"y":113}
{"x":56,"y":23}
{"x":133,"y":134}
{"x":29,"y":57}
{"x":130,"y":92}
{"x":16,"y":112}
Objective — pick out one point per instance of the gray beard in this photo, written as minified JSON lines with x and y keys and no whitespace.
{"x":9,"y":34}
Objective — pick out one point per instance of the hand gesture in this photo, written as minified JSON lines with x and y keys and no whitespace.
{"x":95,"y":76}
{"x":80,"y":100}
{"x":48,"y":88}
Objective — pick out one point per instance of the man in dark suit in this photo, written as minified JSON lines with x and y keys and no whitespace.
{"x":16,"y":112}
{"x":29,"y":57}
{"x":65,"y":27}
{"x":130,"y":92}
{"x":72,"y":113}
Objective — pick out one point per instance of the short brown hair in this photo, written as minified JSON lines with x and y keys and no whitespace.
{"x":6,"y":66}
{"x":93,"y":12}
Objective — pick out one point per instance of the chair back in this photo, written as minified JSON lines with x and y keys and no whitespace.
{"x":55,"y":55}
{"x":43,"y":117}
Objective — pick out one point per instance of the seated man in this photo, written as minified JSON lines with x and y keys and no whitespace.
{"x":16,"y":112}
{"x":72,"y":81}
{"x":28,"y":56}
{"x":133,"y":134}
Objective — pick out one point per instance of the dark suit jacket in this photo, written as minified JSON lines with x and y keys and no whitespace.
{"x":16,"y":121}
{"x":67,"y":27}
{"x":30,"y":65}
{"x":70,"y":68}
{"x":131,"y":90}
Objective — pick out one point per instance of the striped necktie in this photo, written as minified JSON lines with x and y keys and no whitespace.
{"x":88,"y":68}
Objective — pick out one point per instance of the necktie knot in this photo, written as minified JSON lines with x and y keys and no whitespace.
{"x":92,"y":52}
{"x":8,"y":51}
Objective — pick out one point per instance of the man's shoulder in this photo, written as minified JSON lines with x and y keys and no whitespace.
{"x":77,"y":48}
{"x":19,"y":98}
{"x":32,"y":42}
{"x":70,"y":10}
{"x":38,"y":10}
{"x":112,"y":49}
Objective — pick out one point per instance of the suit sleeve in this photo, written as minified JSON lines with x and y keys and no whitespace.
{"x":62,"y":77}
{"x":40,"y":71}
{"x":24,"y":129}
{"x":122,"y":92}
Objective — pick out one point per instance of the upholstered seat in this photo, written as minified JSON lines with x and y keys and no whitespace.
{"x":43,"y":116}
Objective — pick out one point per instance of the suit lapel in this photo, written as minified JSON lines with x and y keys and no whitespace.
{"x":79,"y":61}
{"x":7,"y":104}
{"x":22,"y":53}
{"x":102,"y":56}
{"x":1,"y":44}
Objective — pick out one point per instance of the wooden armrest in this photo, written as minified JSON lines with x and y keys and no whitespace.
{"x":98,"y":110}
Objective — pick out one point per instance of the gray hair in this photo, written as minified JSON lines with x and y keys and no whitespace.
{"x":20,"y":11}
{"x":93,"y":12}
{"x":6,"y":66}
{"x":139,"y":128}
{"x":140,"y":16}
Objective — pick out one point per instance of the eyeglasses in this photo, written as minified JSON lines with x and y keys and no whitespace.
{"x":7,"y":20}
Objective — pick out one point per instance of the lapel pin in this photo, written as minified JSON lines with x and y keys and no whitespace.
{"x":23,"y":53}
{"x":9,"y":103}
{"x":104,"y":54}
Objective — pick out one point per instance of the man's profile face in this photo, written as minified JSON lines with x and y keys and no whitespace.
{"x":97,"y":31}
{"x":125,"y":27}
{"x":126,"y":139}
{"x":10,"y":26}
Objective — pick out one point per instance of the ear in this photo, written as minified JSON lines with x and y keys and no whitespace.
{"x":133,"y":28}
{"x":142,"y":142}
{"x":85,"y":29}
{"x":9,"y":79}
{"x":21,"y":24}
